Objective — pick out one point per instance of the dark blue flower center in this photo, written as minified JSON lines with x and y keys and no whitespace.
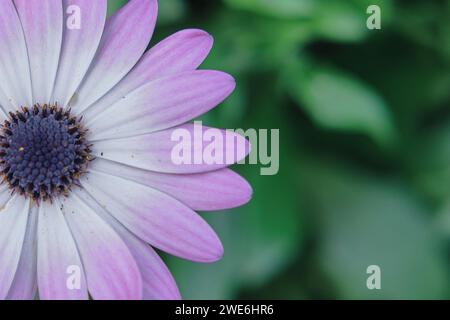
{"x":43,"y":151}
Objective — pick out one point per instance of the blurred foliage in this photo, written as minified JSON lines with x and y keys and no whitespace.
{"x":364,"y":119}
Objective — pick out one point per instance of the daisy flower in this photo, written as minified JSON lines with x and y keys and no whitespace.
{"x":88,"y":185}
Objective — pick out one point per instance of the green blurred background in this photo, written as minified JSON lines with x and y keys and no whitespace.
{"x":364,"y":119}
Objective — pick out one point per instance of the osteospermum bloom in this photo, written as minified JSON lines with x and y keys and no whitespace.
{"x":89,"y":187}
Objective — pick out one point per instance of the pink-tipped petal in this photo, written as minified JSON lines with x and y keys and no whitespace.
{"x":80,"y":42}
{"x":24,"y":286}
{"x":13,"y":225}
{"x":158,"y":283}
{"x":183,"y":51}
{"x":155,"y":217}
{"x":184,"y":149}
{"x":111,"y":271}
{"x":58,"y":261}
{"x":162,"y":104}
{"x":15,"y":82}
{"x":42,"y":23}
{"x":209,"y":191}
{"x":126,"y":36}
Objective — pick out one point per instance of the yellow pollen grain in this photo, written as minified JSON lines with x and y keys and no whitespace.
{"x":21,"y":149}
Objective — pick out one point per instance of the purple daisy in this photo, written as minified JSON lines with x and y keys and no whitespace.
{"x":89,"y":186}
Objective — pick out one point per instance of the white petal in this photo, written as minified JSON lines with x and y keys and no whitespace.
{"x":160,"y":151}
{"x":13,"y":224}
{"x":182,"y":51}
{"x":42,"y":23}
{"x":158,"y":283}
{"x":209,"y":191}
{"x":79,"y":46}
{"x":5,"y":106}
{"x":111,"y":270}
{"x":126,"y":36}
{"x":161,"y":104}
{"x":155,"y":217}
{"x":24,"y":286}
{"x":58,"y":257}
{"x":15,"y":82}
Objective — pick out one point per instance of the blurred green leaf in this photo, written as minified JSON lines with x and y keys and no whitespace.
{"x":429,"y":28}
{"x":340,"y":21}
{"x":429,"y":163}
{"x":270,"y":229}
{"x":367,"y":221}
{"x":345,"y":21}
{"x":276,"y":8}
{"x":442,"y":220}
{"x":246,"y":43}
{"x":171,"y":11}
{"x":336,"y":100}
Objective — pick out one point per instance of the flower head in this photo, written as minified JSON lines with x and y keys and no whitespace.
{"x":44,"y":151}
{"x":89,"y":186}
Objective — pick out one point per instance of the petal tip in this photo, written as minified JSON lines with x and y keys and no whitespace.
{"x":229,"y":83}
{"x":217,"y":252}
{"x":202,"y":38}
{"x":247,"y":192}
